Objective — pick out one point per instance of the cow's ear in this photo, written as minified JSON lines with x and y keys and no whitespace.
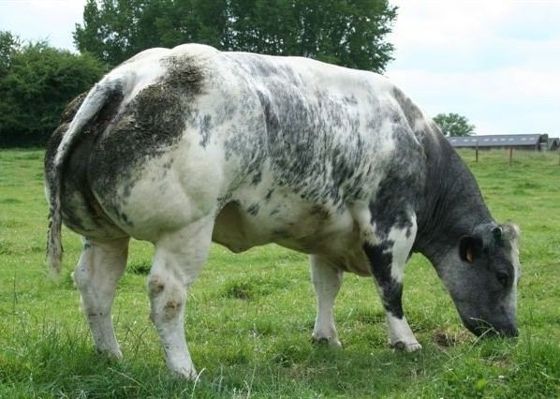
{"x":470,"y":248}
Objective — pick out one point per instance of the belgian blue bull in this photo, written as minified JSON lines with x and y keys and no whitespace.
{"x":181,"y":147}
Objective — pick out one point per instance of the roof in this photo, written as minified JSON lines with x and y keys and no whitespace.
{"x":498,"y":140}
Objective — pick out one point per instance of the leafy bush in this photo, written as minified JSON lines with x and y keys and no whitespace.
{"x":36,"y":82}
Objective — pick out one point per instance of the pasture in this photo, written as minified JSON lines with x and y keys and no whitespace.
{"x":250,"y":316}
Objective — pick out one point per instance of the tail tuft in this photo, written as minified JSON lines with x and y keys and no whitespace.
{"x":54,"y":244}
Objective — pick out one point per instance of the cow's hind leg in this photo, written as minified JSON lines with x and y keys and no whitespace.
{"x":387,"y":259}
{"x":327,"y":280}
{"x":100,"y":267}
{"x":178,"y":259}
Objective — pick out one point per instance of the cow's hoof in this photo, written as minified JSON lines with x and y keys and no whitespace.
{"x":325,"y":341}
{"x":185,"y":373}
{"x":407,"y":346}
{"x":110,"y":354}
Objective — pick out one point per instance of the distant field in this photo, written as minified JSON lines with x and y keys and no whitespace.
{"x":250,"y":316}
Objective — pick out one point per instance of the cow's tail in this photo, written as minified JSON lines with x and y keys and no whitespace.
{"x":94,"y":102}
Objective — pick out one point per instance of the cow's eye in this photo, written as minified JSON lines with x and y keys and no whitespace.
{"x":502,"y":278}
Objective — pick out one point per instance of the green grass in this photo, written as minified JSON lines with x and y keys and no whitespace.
{"x":249,"y":317}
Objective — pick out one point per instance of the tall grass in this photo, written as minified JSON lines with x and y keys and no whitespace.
{"x":249,"y":317}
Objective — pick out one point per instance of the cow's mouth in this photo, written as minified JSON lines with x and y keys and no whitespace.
{"x":483,"y":329}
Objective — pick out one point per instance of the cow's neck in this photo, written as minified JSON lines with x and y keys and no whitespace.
{"x":453,"y":204}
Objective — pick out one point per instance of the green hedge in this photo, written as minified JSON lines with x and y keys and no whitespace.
{"x":36,"y":82}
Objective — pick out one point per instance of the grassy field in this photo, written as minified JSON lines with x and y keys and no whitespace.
{"x":250,"y":316}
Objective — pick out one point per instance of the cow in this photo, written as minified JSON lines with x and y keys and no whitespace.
{"x":187,"y":146}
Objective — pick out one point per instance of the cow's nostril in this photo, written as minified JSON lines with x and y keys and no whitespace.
{"x":511,"y":332}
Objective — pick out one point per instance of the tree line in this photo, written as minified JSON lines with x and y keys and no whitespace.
{"x":37,"y":80}
{"x":345,"y":32}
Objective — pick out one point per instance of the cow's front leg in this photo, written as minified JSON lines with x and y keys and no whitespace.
{"x":100,"y":267}
{"x":387,"y":260}
{"x":178,"y":259}
{"x":327,"y":280}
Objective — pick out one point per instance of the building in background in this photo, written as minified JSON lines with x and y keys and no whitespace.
{"x":532,"y":142}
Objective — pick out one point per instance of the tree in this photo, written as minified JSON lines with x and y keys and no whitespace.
{"x":347,"y":32}
{"x":38,"y":82}
{"x":454,"y":125}
{"x":9,"y":45}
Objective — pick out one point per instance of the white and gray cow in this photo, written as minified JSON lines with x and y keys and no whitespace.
{"x":186,"y":146}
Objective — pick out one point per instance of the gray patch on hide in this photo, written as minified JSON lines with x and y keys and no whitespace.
{"x":410,"y":110}
{"x":205,"y":129}
{"x":253,"y":209}
{"x":401,"y":190}
{"x":269,"y":194}
{"x":149,"y":126}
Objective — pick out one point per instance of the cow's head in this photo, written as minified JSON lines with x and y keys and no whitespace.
{"x":481,"y":271}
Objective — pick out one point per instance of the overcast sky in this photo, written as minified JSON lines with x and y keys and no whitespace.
{"x":496,"y":62}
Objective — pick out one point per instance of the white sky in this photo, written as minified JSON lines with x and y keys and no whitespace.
{"x":495,"y":61}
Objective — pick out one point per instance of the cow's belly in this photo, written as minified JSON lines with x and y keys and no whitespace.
{"x":311,"y":229}
{"x":239,"y":229}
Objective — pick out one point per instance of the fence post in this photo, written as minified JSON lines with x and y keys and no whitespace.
{"x":510,"y":155}
{"x":476,"y":152}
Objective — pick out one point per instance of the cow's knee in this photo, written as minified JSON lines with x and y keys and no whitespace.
{"x":167,"y":296}
{"x":156,"y":285}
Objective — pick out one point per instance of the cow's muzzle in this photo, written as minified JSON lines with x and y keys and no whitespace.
{"x":483,"y":329}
